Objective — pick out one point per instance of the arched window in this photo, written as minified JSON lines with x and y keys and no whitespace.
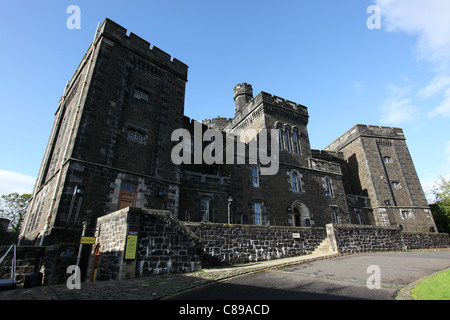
{"x":287,"y":132}
{"x":280,"y":136}
{"x":295,"y":141}
{"x":328,"y":187}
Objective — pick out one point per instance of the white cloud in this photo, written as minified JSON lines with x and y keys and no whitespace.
{"x":436,"y":86}
{"x":396,"y":111}
{"x":15,"y":182}
{"x":443,"y":109}
{"x":427,"y":19}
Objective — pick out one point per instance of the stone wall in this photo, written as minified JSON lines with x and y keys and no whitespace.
{"x":421,"y":240}
{"x":355,"y":238}
{"x":231,"y":244}
{"x":164,"y":245}
{"x":53,"y":263}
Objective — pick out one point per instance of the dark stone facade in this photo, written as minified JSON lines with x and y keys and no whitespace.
{"x":379,"y":167}
{"x":164,"y":245}
{"x":53,"y":262}
{"x":111,"y":148}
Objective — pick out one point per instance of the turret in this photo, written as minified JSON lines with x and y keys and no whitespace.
{"x":243,"y":93}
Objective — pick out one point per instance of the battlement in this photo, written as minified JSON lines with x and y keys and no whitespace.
{"x":114,"y":31}
{"x":280,"y":102}
{"x":216,"y":123}
{"x":367,"y":131}
{"x":243,"y":88}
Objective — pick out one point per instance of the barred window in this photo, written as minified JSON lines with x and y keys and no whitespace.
{"x":134,"y":135}
{"x":141,"y":95}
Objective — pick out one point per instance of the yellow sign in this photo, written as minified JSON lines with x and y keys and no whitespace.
{"x":130,"y":250}
{"x":87,"y":240}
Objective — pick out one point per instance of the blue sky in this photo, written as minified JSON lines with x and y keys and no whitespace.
{"x":317,"y":53}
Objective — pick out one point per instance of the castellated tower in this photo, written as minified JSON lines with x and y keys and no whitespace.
{"x":243,"y":93}
{"x":111,"y":139}
{"x":379,"y":166}
{"x":306,"y":191}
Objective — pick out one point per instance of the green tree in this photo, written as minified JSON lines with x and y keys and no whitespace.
{"x":441,"y":208}
{"x":13,"y":207}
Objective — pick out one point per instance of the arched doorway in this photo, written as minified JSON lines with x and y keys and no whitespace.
{"x":301,"y":215}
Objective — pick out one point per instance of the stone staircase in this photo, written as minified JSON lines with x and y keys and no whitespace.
{"x":323,"y":248}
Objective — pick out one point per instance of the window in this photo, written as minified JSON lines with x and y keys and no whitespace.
{"x":329,"y":188}
{"x":359,"y":216}
{"x":287,"y":132}
{"x":280,"y":136}
{"x":396,"y":185}
{"x":388,"y":160}
{"x":141,"y":95}
{"x":134,"y":135}
{"x":333,"y":216}
{"x":295,"y":141}
{"x":257,"y":216}
{"x":204,"y":209}
{"x":294,"y":182}
{"x":255,"y":177}
{"x":307,"y":222}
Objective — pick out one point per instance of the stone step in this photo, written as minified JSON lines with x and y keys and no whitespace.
{"x":323,"y":248}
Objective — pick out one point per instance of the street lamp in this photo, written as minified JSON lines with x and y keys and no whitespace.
{"x":230,"y":201}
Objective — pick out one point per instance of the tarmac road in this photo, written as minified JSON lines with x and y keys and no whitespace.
{"x":340,"y":278}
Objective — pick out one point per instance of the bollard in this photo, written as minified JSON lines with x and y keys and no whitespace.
{"x":34,"y":278}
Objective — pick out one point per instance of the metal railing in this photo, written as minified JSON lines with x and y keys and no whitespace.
{"x":13,"y":262}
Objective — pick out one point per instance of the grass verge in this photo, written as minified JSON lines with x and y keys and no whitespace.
{"x":436,"y":287}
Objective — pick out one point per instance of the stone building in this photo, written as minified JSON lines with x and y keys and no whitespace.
{"x":112,"y":141}
{"x":380,"y":175}
{"x":110,"y":144}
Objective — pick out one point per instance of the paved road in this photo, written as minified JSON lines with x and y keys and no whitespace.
{"x":337,"y":278}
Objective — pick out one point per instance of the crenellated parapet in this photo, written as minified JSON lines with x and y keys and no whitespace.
{"x":114,"y":31}
{"x":367,"y":131}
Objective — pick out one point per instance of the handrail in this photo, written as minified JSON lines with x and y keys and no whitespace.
{"x":13,"y":269}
